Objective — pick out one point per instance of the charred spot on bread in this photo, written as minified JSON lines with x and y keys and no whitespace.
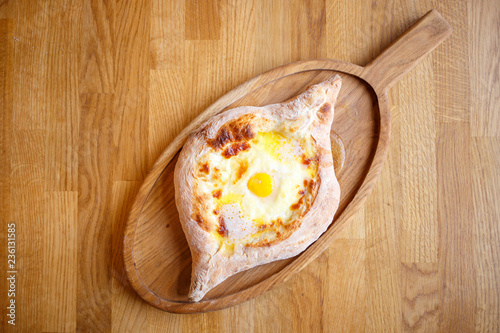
{"x":217,"y":194}
{"x":277,"y":232}
{"x":222,"y":230}
{"x":216,"y":173}
{"x":242,"y":168}
{"x":236,"y":130}
{"x":323,"y":111}
{"x":223,"y":136}
{"x":200,"y":221}
{"x":305,"y":160}
{"x":299,"y":203}
{"x":247,"y":132}
{"x":312,"y":186}
{"x":309,"y":160}
{"x":325,"y":108}
{"x":241,"y":131}
{"x":204,"y":168}
{"x":235,"y":148}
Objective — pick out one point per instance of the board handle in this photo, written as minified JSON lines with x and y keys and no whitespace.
{"x":403,"y":54}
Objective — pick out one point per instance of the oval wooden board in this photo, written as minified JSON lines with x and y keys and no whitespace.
{"x":156,"y":254}
{"x":161,"y":256}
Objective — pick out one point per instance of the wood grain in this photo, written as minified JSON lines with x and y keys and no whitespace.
{"x":128,"y":313}
{"x":62,"y":114}
{"x":95,"y":157}
{"x":27,"y":205}
{"x":202,"y":20}
{"x":131,"y":62}
{"x":383,"y":290}
{"x":6,"y":72}
{"x":346,"y":268}
{"x":96,"y":69}
{"x":486,"y":161}
{"x":60,"y":261}
{"x":451,"y":66}
{"x":417,"y":161}
{"x":484,"y":68}
{"x":167,"y":34}
{"x":456,"y":235}
{"x":129,"y":59}
{"x":156,"y":255}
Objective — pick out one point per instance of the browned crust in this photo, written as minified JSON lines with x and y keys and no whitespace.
{"x":235,"y":148}
{"x":197,"y":217}
{"x":242,"y":168}
{"x":324,"y":110}
{"x":234,"y":131}
{"x":303,"y":201}
{"x":204,"y":168}
{"x":222,"y":230}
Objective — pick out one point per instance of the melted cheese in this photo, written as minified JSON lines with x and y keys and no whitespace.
{"x":259,"y":186}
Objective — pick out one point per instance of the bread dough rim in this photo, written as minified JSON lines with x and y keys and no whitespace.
{"x":210,"y":267}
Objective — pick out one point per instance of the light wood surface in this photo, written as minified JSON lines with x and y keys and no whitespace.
{"x":156,"y":254}
{"x":93,"y":92}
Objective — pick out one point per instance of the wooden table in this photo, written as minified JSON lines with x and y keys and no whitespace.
{"x":93,"y":91}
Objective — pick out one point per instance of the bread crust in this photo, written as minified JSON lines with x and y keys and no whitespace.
{"x":209,"y":265}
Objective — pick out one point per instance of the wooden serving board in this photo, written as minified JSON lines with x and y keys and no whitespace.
{"x":156,"y":254}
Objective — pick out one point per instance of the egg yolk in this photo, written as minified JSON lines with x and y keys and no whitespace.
{"x":260,"y":184}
